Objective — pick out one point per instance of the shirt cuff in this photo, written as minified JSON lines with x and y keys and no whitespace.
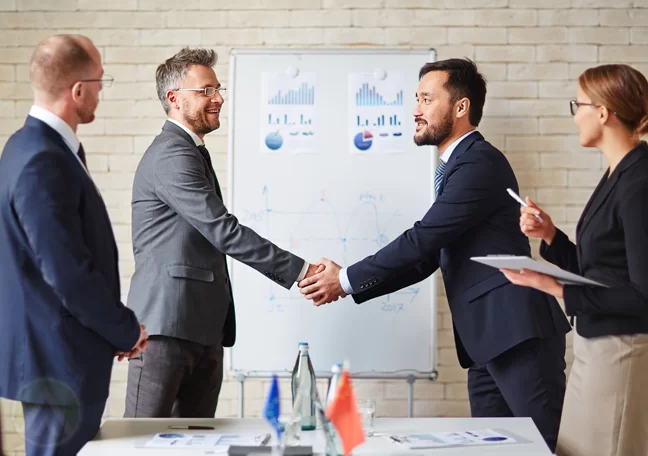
{"x":344,"y":281}
{"x":302,"y":274}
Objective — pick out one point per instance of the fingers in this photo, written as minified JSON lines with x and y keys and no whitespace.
{"x":320,"y":268}
{"x":531,"y":203}
{"x":309,"y":280}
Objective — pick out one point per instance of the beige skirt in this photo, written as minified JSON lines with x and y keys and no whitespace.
{"x":606,"y":401}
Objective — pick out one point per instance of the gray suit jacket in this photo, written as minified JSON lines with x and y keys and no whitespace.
{"x":181,"y":234}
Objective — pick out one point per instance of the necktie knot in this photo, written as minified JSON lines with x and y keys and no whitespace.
{"x":438,"y":176}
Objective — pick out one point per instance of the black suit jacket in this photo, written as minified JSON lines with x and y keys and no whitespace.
{"x":473,"y":215}
{"x":611,"y":248}
{"x":61,"y":319}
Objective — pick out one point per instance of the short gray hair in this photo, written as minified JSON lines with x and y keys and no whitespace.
{"x":169,"y":74}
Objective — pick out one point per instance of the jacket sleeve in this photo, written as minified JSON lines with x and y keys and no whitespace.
{"x":182,"y":183}
{"x":405,"y":278}
{"x":45,"y":202}
{"x":465,"y":202}
{"x":561,"y":252}
{"x":630,"y":300}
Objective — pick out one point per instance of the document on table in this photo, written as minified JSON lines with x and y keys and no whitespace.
{"x":179,"y":440}
{"x":448,"y":439}
{"x":517,"y":263}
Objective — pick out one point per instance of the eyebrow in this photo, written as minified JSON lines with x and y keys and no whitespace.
{"x":423,"y":94}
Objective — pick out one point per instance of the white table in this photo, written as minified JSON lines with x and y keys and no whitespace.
{"x":117,"y":437}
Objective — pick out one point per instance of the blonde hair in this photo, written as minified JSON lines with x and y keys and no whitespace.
{"x":621,"y":89}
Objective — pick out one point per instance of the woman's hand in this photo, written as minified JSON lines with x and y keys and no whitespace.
{"x":532,"y":227}
{"x":542,"y":282}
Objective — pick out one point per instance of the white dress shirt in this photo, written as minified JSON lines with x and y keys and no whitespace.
{"x":343,"y":276}
{"x":61,"y":127}
{"x":199,"y":142}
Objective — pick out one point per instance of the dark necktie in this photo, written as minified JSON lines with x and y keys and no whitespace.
{"x":82,"y":157}
{"x":438,"y":177}
{"x":205,"y":153}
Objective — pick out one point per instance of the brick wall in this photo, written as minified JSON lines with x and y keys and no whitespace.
{"x":531,"y":52}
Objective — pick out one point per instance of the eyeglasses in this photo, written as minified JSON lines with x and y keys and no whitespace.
{"x":207,"y":91}
{"x":105,"y":81}
{"x":574,"y":105}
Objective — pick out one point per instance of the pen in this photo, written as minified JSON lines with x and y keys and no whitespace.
{"x":517,"y":198}
{"x":395,"y":439}
{"x":266,"y":439}
{"x":191,"y":427}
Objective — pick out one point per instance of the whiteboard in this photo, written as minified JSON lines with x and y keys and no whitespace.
{"x":321,"y":164}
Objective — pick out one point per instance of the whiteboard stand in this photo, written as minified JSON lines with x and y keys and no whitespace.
{"x":248,"y":173}
{"x":411,"y":378}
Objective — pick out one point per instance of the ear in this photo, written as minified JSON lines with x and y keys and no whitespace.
{"x":604,"y":115}
{"x":77,"y":91}
{"x":172,"y":99}
{"x":462,"y":108}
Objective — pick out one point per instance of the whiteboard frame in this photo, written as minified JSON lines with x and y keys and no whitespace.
{"x":241,"y":374}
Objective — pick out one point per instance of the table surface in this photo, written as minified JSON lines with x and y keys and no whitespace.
{"x":120,"y":436}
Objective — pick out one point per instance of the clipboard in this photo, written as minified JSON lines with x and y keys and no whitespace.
{"x":517,"y":263}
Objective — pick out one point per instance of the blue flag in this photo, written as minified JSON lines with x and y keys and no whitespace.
{"x":271,"y":408}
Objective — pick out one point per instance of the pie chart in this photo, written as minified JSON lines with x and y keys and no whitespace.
{"x":274,"y":140}
{"x":363,"y":140}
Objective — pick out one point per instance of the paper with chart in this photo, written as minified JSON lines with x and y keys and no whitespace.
{"x":376,"y":115}
{"x":451,"y":439}
{"x":288,"y":121}
{"x":181,"y":440}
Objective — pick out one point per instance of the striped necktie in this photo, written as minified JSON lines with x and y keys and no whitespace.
{"x":438,"y":177}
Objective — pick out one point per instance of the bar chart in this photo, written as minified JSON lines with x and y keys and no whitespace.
{"x":289,"y":119}
{"x":304,"y":95}
{"x":369,"y":96}
{"x":392,"y":121}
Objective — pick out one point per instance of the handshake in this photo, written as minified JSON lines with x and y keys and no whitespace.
{"x":322,"y":282}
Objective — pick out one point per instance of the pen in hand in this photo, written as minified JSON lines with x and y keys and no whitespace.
{"x":517,"y":198}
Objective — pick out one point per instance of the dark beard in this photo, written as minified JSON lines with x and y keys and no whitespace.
{"x":433,"y":136}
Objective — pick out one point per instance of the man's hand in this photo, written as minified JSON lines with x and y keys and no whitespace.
{"x":139,"y":346}
{"x":313,"y":269}
{"x":323,"y":287}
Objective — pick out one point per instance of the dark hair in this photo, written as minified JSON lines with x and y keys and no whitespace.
{"x":621,"y":89}
{"x":464,"y":81}
{"x":170,"y":73}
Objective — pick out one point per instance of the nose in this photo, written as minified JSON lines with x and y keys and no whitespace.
{"x":218,"y":98}
{"x":417,"y":111}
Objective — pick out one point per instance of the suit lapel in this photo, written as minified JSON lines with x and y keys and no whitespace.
{"x":463,"y":146}
{"x":605,"y":187}
{"x":78,"y":167}
{"x":211,"y":174}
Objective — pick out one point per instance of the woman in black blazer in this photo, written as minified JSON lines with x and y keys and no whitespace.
{"x":606,"y":403}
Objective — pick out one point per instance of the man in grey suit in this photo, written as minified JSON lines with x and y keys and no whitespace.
{"x":181,"y":234}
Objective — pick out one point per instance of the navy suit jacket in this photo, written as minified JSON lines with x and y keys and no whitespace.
{"x":61,"y":316}
{"x":473,"y":215}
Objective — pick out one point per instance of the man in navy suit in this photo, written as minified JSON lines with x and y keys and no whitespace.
{"x":511,"y":340}
{"x":62,"y":320}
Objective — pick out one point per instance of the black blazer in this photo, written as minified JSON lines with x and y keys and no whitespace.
{"x":473,"y":215}
{"x":61,"y":319}
{"x":611,"y":248}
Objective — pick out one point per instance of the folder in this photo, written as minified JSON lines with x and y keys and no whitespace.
{"x":516,"y":263}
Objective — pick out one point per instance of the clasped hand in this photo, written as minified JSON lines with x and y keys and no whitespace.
{"x":322,"y":282}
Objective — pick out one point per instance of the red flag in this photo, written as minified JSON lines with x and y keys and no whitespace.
{"x":343,"y":413}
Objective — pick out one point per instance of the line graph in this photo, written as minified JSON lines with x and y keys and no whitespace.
{"x":345,"y":236}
